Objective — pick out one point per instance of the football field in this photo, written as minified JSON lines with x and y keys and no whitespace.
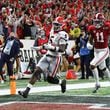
{"x":44,"y":96}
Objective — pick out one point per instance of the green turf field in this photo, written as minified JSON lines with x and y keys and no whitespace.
{"x":71,"y":96}
{"x":23,"y":82}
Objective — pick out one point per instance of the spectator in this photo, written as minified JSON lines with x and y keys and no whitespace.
{"x":9,"y":53}
{"x":84,"y":55}
{"x":28,"y":24}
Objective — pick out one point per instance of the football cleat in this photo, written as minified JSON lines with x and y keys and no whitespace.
{"x":96,"y":88}
{"x":63,"y":86}
{"x":24,"y":94}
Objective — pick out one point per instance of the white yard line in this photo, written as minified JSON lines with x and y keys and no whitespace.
{"x":57,"y":87}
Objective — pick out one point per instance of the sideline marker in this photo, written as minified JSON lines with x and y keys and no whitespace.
{"x":70,"y":74}
{"x":12,"y":85}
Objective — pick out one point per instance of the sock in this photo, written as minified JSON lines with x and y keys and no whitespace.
{"x":96,"y":76}
{"x":29,"y":85}
{"x":60,"y":81}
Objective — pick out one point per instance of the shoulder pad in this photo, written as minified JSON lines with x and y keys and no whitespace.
{"x":64,"y":35}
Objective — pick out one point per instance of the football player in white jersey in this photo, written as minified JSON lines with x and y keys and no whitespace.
{"x":50,"y":62}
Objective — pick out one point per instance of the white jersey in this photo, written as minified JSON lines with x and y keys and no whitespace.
{"x":50,"y":62}
{"x":57,"y":39}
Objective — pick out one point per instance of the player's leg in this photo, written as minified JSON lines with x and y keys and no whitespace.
{"x":96,"y":77}
{"x":94,"y":70}
{"x":41,"y":66}
{"x":32,"y":81}
{"x":99,"y":58}
{"x":53,"y":69}
{"x":104,"y":69}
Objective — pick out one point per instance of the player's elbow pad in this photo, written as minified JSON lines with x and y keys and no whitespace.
{"x":89,"y":46}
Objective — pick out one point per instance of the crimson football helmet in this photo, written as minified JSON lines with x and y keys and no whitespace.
{"x":98,"y":20}
{"x":58,"y":23}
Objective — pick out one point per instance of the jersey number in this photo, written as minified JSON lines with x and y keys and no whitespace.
{"x":100,"y":37}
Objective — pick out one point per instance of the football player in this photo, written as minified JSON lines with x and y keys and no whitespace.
{"x":50,"y":62}
{"x":99,"y":31}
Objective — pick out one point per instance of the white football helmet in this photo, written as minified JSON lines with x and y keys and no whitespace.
{"x":98,"y":20}
{"x":58,"y":23}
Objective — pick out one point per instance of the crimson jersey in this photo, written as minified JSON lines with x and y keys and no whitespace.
{"x":100,"y":36}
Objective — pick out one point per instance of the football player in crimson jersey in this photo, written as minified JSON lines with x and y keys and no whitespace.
{"x":99,"y":35}
{"x":50,"y":62}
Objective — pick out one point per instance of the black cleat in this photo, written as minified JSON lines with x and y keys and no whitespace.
{"x":24,"y":94}
{"x":96,"y":88}
{"x":63,"y":86}
{"x":82,"y":78}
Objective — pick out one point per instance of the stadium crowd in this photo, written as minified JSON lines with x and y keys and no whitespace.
{"x":30,"y":19}
{"x":29,"y":16}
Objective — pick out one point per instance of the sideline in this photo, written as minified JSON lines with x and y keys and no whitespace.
{"x":57,"y":87}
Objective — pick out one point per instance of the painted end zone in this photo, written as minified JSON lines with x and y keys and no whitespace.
{"x":50,"y":106}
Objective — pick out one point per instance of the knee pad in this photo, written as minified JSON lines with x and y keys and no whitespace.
{"x":53,"y":80}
